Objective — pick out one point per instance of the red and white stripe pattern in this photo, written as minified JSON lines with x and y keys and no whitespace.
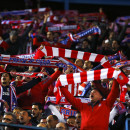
{"x":16,"y":21}
{"x":72,"y":88}
{"x":7,"y":59}
{"x":91,"y":76}
{"x":37,"y":10}
{"x":26,"y":11}
{"x":60,"y":52}
{"x":20,"y":26}
{"x":81,"y":88}
{"x":28,"y":74}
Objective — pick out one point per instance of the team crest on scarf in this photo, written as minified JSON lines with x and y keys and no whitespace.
{"x":121,"y":77}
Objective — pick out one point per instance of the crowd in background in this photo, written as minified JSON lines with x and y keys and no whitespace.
{"x":31,"y":107}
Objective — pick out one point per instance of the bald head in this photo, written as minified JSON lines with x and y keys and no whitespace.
{"x":61,"y":126}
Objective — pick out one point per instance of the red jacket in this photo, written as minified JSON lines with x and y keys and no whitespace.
{"x":96,"y":117}
{"x":37,"y":93}
{"x":54,"y":44}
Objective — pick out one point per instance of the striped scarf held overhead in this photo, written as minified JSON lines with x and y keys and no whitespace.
{"x":91,"y":31}
{"x":25,"y":12}
{"x":93,"y":75}
{"x":53,"y":51}
{"x":81,"y":77}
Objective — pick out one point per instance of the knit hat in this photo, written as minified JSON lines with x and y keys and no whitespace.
{"x":103,"y":91}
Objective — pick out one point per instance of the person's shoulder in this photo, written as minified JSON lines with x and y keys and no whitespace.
{"x":7,"y":40}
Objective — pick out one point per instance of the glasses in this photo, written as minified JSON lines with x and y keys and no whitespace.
{"x":7,"y":119}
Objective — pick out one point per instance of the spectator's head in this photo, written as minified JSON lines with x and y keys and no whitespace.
{"x":88,"y":65}
{"x":52,"y":121}
{"x":16,"y":112}
{"x":95,"y":96}
{"x":86,"y":43}
{"x":43,"y":121}
{"x":79,"y":63}
{"x":11,"y":70}
{"x":50,"y":36}
{"x":98,"y":92}
{"x":13,"y":36}
{"x":5,"y":79}
{"x":37,"y":110}
{"x":115,"y":45}
{"x":57,"y":34}
{"x":71,"y":120}
{"x":41,"y":125}
{"x":78,"y":120}
{"x":61,"y":126}
{"x":24,"y":117}
{"x":9,"y":117}
{"x":18,"y":78}
{"x":107,"y":45}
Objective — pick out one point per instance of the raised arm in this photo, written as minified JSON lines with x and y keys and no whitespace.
{"x":42,"y":31}
{"x":25,"y":34}
{"x":27,"y":86}
{"x":114,"y":93}
{"x":76,"y":103}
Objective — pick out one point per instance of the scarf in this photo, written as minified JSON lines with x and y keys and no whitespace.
{"x":13,"y":98}
{"x":53,"y":51}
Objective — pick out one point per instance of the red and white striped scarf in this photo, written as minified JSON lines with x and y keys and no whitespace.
{"x":16,"y":21}
{"x":16,"y":61}
{"x":93,"y":75}
{"x":90,"y":76}
{"x":72,"y":88}
{"x":60,"y":52}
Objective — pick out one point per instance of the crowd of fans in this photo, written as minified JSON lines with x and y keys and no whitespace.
{"x":24,"y":99}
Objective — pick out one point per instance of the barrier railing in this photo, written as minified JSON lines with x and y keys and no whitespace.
{"x":23,"y":126}
{"x":127,"y":124}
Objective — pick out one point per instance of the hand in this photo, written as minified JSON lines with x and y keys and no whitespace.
{"x":47,"y":15}
{"x":117,"y":69}
{"x":106,"y":57}
{"x":6,"y":105}
{"x":69,"y":69}
{"x":41,"y":47}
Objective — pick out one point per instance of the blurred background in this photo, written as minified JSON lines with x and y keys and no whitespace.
{"x":112,"y":8}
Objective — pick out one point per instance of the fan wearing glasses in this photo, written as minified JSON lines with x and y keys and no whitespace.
{"x":10,"y":118}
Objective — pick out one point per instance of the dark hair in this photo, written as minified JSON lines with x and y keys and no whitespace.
{"x":8,"y":74}
{"x":103,"y":91}
{"x":18,"y":108}
{"x":70,"y":117}
{"x":115,"y":39}
{"x":13,"y":33}
{"x":55,"y":117}
{"x":29,"y":112}
{"x":14,"y":120}
{"x":38,"y":104}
